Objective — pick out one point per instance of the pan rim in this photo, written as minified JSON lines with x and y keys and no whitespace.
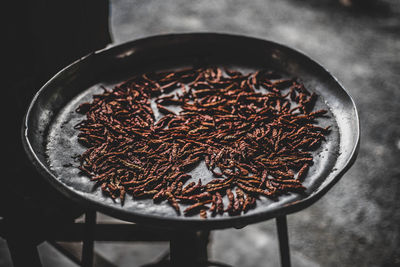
{"x":185,"y":222}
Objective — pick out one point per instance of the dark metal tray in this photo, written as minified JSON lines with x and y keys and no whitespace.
{"x":51,"y":141}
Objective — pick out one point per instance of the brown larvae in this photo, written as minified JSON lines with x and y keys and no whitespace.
{"x":252,"y":141}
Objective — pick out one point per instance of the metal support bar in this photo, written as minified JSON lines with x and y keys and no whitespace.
{"x":281,"y":224}
{"x":183,"y":249}
{"x":203,"y":238}
{"x":88,"y":240}
{"x":110,"y":232}
{"x":189,"y":249}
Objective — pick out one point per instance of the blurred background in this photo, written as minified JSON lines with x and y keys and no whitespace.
{"x":357,"y":223}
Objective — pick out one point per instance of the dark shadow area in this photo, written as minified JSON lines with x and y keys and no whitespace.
{"x":355,"y":224}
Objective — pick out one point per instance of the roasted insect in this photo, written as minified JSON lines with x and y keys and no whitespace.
{"x":255,"y":133}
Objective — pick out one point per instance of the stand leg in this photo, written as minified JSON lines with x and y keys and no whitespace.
{"x":188,"y":249}
{"x":281,"y":225}
{"x":88,"y":239}
{"x":202,"y":245}
{"x":23,"y":253}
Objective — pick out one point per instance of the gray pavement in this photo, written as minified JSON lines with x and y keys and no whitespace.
{"x":358,"y":222}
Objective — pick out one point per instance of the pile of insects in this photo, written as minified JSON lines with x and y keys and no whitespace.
{"x":255,"y":133}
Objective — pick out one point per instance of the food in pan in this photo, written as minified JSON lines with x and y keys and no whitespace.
{"x":254,"y":131}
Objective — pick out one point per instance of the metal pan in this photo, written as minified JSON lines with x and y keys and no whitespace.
{"x":51,"y":141}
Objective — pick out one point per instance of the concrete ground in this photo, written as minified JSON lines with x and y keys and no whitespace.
{"x":358,"y":222}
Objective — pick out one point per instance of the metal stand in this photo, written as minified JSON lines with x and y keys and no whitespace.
{"x":88,"y":239}
{"x":187,"y":248}
{"x":281,"y":225}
